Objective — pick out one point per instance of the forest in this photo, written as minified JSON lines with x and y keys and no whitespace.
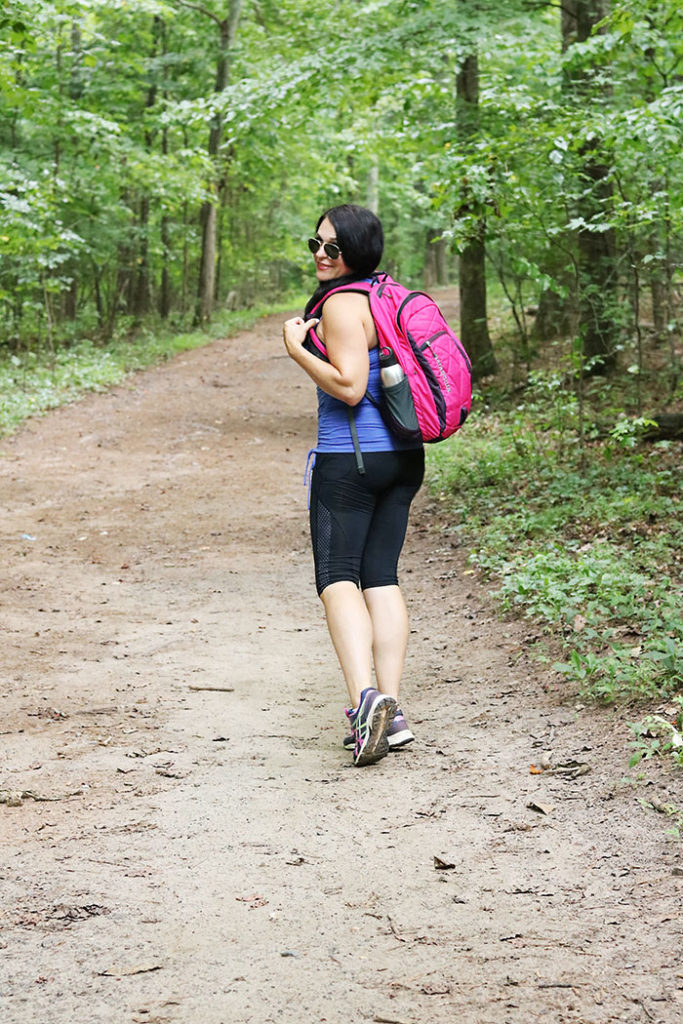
{"x":163,"y":162}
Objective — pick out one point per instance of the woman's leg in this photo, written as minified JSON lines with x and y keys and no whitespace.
{"x":358,"y":526}
{"x":350,"y":626}
{"x":340,"y":514}
{"x":390,"y":628}
{"x":379,"y":578}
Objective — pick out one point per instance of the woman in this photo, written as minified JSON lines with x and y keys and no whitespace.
{"x":358,"y":521}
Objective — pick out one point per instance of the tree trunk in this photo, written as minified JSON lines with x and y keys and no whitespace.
{"x":165,"y":231}
{"x":553,"y":317}
{"x":474,"y":332}
{"x":372,"y":200}
{"x":207,"y":266}
{"x":70,"y":298}
{"x":165,"y":284}
{"x":597,"y":255}
{"x":669,"y":427}
{"x":69,"y":302}
{"x":598,"y":273}
{"x":142,"y":290}
{"x":436,"y":269}
{"x":659,"y":303}
{"x":142,"y":297}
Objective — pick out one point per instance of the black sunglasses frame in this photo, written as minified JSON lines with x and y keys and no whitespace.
{"x":332,"y":250}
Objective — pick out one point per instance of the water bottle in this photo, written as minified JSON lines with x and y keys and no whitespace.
{"x":391,"y":371}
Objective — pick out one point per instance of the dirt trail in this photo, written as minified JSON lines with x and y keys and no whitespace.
{"x":208,"y":856}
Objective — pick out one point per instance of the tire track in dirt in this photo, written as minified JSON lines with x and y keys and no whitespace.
{"x":207,"y":854}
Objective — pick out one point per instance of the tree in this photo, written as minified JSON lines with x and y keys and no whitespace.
{"x":597,"y":252}
{"x":227,"y":28}
{"x":474,"y":330}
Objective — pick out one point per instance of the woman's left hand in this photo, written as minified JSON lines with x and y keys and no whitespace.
{"x":294,"y":332}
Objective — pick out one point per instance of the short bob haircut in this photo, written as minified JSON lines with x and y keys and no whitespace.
{"x":359,"y":236}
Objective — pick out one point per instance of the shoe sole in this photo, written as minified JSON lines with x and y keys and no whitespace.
{"x":398,"y":740}
{"x":376,"y":744}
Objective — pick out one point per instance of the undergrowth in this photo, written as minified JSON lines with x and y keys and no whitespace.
{"x":582,"y":536}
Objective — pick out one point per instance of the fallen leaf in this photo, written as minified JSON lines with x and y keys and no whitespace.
{"x":68,"y":915}
{"x":533,"y":805}
{"x":254,"y":901}
{"x":571,"y":769}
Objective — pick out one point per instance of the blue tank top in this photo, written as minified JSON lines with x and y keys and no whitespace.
{"x":334,"y":432}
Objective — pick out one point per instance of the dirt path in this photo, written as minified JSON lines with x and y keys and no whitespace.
{"x":209,"y":856}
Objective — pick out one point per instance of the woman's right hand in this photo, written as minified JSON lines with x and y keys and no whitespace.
{"x":344,"y":374}
{"x":295,"y":332}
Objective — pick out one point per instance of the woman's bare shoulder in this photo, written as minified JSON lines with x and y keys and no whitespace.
{"x":348,"y":313}
{"x":346,"y":301}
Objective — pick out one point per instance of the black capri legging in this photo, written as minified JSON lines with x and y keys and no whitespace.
{"x":358,"y":521}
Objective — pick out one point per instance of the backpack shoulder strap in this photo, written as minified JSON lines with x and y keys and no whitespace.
{"x":364,"y":287}
{"x":361,"y":287}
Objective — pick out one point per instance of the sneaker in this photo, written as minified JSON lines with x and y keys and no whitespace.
{"x":398,"y":734}
{"x":369,"y":724}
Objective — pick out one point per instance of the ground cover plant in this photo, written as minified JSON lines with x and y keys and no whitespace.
{"x":583,"y":537}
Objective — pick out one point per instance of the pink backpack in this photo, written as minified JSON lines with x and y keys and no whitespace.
{"x":434,"y":398}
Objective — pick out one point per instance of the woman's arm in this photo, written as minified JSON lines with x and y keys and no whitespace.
{"x":345,"y":320}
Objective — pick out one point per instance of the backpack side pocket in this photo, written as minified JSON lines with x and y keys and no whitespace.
{"x":398,"y":410}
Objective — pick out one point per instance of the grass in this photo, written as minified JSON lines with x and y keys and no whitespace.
{"x":583,"y":538}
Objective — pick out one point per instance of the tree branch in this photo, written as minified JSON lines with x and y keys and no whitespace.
{"x":200,"y":8}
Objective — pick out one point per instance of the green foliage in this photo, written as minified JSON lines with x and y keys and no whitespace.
{"x":106,"y":112}
{"x":657,"y":735}
{"x":588,"y":545}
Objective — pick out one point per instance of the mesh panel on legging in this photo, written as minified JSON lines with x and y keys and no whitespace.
{"x":321,"y":533}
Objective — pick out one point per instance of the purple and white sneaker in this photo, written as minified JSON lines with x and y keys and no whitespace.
{"x":398,"y":734}
{"x":370,"y":722}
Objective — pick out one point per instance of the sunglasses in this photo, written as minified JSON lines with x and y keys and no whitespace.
{"x":332,"y":250}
